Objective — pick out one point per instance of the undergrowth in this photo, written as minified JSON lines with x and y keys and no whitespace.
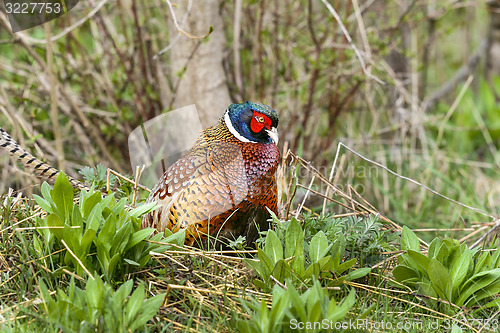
{"x":82,"y":263}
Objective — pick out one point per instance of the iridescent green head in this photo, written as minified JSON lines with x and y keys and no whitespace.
{"x":252,"y":122}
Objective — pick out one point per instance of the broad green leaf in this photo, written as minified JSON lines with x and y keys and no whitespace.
{"x":426,"y":289}
{"x":138,"y":237}
{"x":421,"y":260}
{"x":296,"y":302}
{"x":409,"y":240}
{"x":254,"y":264}
{"x":95,"y":293}
{"x":107,"y":233}
{"x":345,"y":266}
{"x":493,"y":303}
{"x":121,"y":294}
{"x":294,"y":240}
{"x":336,"y":314}
{"x":131,"y":262}
{"x":113,"y":262}
{"x":86,"y":241}
{"x":108,"y":201}
{"x":63,"y":195}
{"x":94,"y":218}
{"x":484,"y":261}
{"x":46,"y":192}
{"x":338,"y":249}
{"x":433,"y":248}
{"x":143,"y":209}
{"x":120,"y":206}
{"x":440,"y":279}
{"x":148,"y":309}
{"x":281,"y":270}
{"x":478,"y":281}
{"x":495,"y":257}
{"x":54,"y":220}
{"x":459,"y":268}
{"x":358,"y":273}
{"x":273,"y":247}
{"x":402,"y":273}
{"x":319,"y":247}
{"x":89,"y":203}
{"x":490,"y":290}
{"x":121,"y":238}
{"x":43,"y":203}
{"x":134,"y":303}
{"x":280,"y":304}
{"x":267,"y":265}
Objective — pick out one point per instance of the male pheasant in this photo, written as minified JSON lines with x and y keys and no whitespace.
{"x":222,"y":187}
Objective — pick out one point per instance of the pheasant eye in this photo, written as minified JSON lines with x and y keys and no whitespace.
{"x":259,"y":119}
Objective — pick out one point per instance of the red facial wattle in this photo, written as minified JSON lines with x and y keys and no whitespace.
{"x":259,"y":121}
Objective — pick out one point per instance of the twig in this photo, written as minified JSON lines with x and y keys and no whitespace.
{"x":179,"y":28}
{"x":480,"y":211}
{"x":77,"y":259}
{"x":497,"y":224}
{"x":349,"y":39}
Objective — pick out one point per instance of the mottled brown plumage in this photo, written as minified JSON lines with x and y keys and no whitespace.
{"x":224,"y":183}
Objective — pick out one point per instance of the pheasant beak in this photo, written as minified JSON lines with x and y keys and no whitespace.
{"x":273,"y":134}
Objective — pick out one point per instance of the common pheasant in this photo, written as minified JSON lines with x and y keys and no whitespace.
{"x":222,"y":186}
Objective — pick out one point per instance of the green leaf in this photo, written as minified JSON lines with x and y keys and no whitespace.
{"x":121,"y":238}
{"x":319,"y":247}
{"x":94,"y":218}
{"x":120,"y":206}
{"x":434,"y":247}
{"x":495,"y":257}
{"x":478,"y":281}
{"x":149,"y":308}
{"x":138,"y":237}
{"x":131,"y":262}
{"x":143,"y":209}
{"x":43,"y":203}
{"x":459,"y":268}
{"x":358,"y":273}
{"x":266,"y":264}
{"x":134,"y":303}
{"x":273,"y":247}
{"x":340,"y":311}
{"x":121,"y":294}
{"x":106,"y":234}
{"x":86,"y":241}
{"x":54,"y":220}
{"x":484,"y":260}
{"x":402,"y":273}
{"x":409,"y":240}
{"x":95,"y":293}
{"x":294,"y":239}
{"x":421,"y":260}
{"x":63,"y":195}
{"x":89,"y":203}
{"x":345,"y":266}
{"x":46,"y":192}
{"x":426,"y":289}
{"x":113,"y":262}
{"x":440,"y":279}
